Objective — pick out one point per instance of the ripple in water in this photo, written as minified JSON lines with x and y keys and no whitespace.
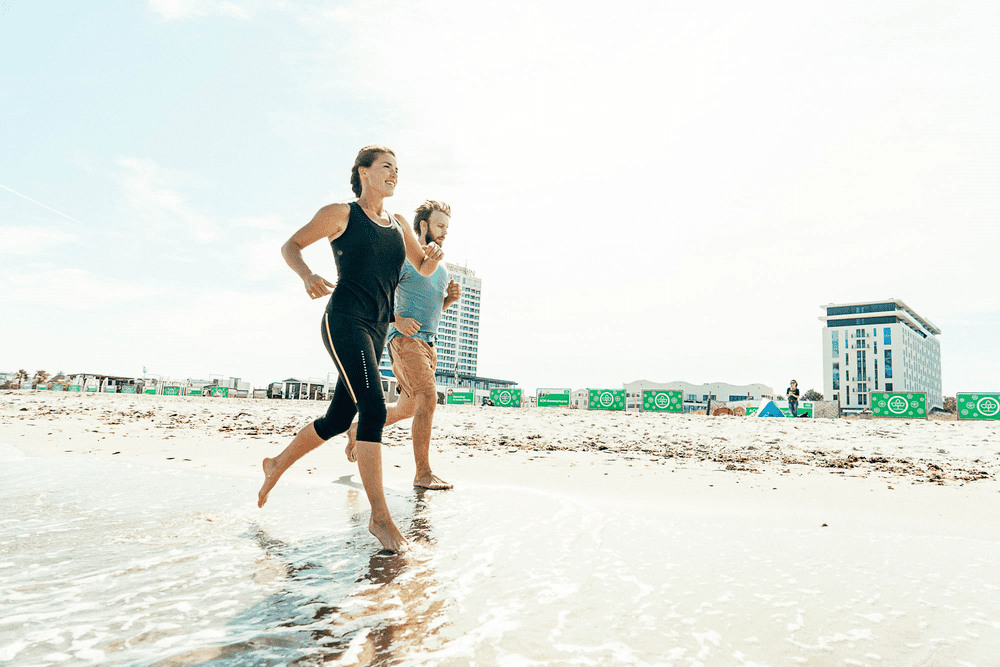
{"x":114,"y":564}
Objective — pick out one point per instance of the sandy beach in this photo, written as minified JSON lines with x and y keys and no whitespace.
{"x":131,"y":536}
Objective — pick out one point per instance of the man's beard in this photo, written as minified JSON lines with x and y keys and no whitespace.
{"x":428,"y":239}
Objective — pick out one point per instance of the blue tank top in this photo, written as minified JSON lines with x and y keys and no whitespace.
{"x":368,"y":258}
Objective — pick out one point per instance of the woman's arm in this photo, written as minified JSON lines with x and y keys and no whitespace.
{"x":423,"y":258}
{"x":329,"y":222}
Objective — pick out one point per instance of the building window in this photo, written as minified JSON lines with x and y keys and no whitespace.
{"x":836,"y":343}
{"x":887,"y":364}
{"x":836,"y":376}
{"x":887,"y":336}
{"x":888,"y":386}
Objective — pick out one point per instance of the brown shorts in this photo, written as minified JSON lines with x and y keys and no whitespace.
{"x":413,"y":364}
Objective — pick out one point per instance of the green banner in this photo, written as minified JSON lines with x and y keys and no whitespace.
{"x":752,"y":410}
{"x":194,"y":392}
{"x":42,"y":387}
{"x":663,"y":400}
{"x":128,"y":388}
{"x":899,"y":405}
{"x":171,"y":391}
{"x":805,"y":408}
{"x":553,"y":398}
{"x":91,"y":390}
{"x":110,"y":390}
{"x":506,"y":398}
{"x":606,"y":399}
{"x":75,"y":387}
{"x":220,"y":391}
{"x":978,"y":406}
{"x":459,"y":397}
{"x":150,"y":391}
{"x":58,"y":387}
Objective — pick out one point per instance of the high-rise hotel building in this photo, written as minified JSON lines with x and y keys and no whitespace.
{"x":457,"y":343}
{"x":879,"y":346}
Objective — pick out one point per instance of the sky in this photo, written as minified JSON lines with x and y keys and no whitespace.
{"x":648,"y":190}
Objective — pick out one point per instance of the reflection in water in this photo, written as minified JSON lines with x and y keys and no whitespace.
{"x":334,"y":605}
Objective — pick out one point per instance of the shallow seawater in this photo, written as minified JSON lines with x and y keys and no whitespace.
{"x":108,"y":563}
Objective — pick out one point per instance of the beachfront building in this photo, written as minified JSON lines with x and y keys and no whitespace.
{"x":879,"y":346}
{"x":457,"y":342}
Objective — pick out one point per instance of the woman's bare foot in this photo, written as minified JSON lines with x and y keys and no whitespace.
{"x":271,"y":477}
{"x":387,"y":533}
{"x":431,"y":481}
{"x":352,"y":438}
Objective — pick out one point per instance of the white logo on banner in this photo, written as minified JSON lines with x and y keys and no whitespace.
{"x":662,"y":401}
{"x":988,"y":406}
{"x":607,"y":398}
{"x":505,"y":397}
{"x":898,"y":405}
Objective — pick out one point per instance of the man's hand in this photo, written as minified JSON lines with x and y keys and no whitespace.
{"x":454,"y":294}
{"x":432,"y":251}
{"x":317,"y":286}
{"x":406,"y":325}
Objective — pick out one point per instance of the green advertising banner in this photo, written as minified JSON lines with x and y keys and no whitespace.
{"x":75,"y":387}
{"x":42,"y":387}
{"x":553,"y":398}
{"x":752,"y":410}
{"x":506,"y":398}
{"x":110,"y":390}
{"x":460,"y":397}
{"x":978,"y":406}
{"x":91,"y":390}
{"x":171,"y":391}
{"x":220,"y":391}
{"x":663,"y":400}
{"x":128,"y":388}
{"x":899,"y":405}
{"x":58,"y":387}
{"x":150,"y":391}
{"x":803,"y":409}
{"x":194,"y":392}
{"x":606,"y":399}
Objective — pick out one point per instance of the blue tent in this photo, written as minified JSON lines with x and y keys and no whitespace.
{"x":770,"y":410}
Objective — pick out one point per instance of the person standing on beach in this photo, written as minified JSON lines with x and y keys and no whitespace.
{"x":420,"y":301}
{"x":369,"y":247}
{"x":792,"y":394}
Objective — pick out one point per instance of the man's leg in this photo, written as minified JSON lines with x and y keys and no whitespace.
{"x":423,"y":422}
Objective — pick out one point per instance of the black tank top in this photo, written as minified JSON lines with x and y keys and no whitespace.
{"x":369,"y":257}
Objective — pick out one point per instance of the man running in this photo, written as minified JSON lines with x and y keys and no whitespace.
{"x":419,"y":303}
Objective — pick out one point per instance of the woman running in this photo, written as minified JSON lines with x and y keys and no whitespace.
{"x":369,"y":247}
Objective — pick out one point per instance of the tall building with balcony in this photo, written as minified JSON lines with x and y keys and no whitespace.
{"x":879,"y":346}
{"x":457,"y":343}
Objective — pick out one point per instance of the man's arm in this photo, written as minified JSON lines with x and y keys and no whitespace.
{"x":454,"y":294}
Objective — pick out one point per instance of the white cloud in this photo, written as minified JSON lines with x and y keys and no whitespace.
{"x":66,"y":288}
{"x":149,"y":190}
{"x":32,"y":241}
{"x":185,"y":9}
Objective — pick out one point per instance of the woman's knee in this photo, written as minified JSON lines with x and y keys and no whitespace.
{"x":371,"y":420}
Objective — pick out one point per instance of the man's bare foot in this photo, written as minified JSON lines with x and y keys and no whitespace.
{"x":270,"y":479}
{"x":352,"y":439}
{"x":387,"y":533}
{"x":432,"y":482}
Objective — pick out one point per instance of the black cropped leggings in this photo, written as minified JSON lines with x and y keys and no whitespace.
{"x":356,"y":347}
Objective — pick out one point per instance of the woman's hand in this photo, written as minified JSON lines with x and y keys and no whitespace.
{"x":317,"y":286}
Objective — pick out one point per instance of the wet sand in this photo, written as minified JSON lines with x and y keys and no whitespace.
{"x":571,"y":537}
